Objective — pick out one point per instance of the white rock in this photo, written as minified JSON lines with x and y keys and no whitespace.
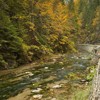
{"x":46,"y":68}
{"x":56,"y":86}
{"x":33,"y":84}
{"x":83,"y":80}
{"x":61,"y":63}
{"x":91,"y":71}
{"x":63,"y":68}
{"x":37,"y":90}
{"x":38,"y":96}
{"x":29,"y":73}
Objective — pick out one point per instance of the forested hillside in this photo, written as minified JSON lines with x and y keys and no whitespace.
{"x":31,"y":29}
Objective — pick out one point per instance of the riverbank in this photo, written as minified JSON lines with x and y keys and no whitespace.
{"x":49,"y":59}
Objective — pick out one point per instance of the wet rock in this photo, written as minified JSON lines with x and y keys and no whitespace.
{"x":37,"y":90}
{"x":83,"y":81}
{"x":35,"y":79}
{"x":62,"y":68}
{"x":38,"y":96}
{"x":61,"y":63}
{"x":29,"y":73}
{"x":92,"y":71}
{"x":46,"y":68}
{"x":57,"y":86}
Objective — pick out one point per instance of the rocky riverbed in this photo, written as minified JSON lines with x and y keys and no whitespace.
{"x":62,"y":78}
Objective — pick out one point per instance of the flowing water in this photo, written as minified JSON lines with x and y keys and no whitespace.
{"x":56,"y":81}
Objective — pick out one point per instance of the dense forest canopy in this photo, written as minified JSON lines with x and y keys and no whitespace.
{"x":31,"y":29}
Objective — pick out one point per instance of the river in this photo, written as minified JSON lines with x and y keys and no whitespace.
{"x":63,"y":79}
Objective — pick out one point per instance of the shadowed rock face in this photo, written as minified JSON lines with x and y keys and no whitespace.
{"x":89,"y":47}
{"x":95,"y":93}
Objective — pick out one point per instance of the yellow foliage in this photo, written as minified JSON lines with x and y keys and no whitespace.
{"x":96,"y":20}
{"x":54,"y":21}
{"x":31,"y":26}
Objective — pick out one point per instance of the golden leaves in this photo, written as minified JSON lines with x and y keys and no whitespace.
{"x":96,"y":20}
{"x":31,"y":26}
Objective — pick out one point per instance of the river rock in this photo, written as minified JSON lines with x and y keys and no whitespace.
{"x":56,"y":86}
{"x":35,"y":79}
{"x":83,"y":81}
{"x":37,"y":90}
{"x":46,"y":68}
{"x":61,"y":63}
{"x":92,"y":71}
{"x":62,"y":68}
{"x":29,"y":73}
{"x":38,"y":96}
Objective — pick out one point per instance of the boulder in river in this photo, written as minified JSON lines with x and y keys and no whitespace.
{"x":61,"y":63}
{"x":29,"y":73}
{"x":46,"y":68}
{"x":38,"y":96}
{"x":37,"y":90}
{"x":56,"y":86}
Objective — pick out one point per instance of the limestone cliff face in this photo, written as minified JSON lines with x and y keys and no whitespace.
{"x":95,"y":92}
